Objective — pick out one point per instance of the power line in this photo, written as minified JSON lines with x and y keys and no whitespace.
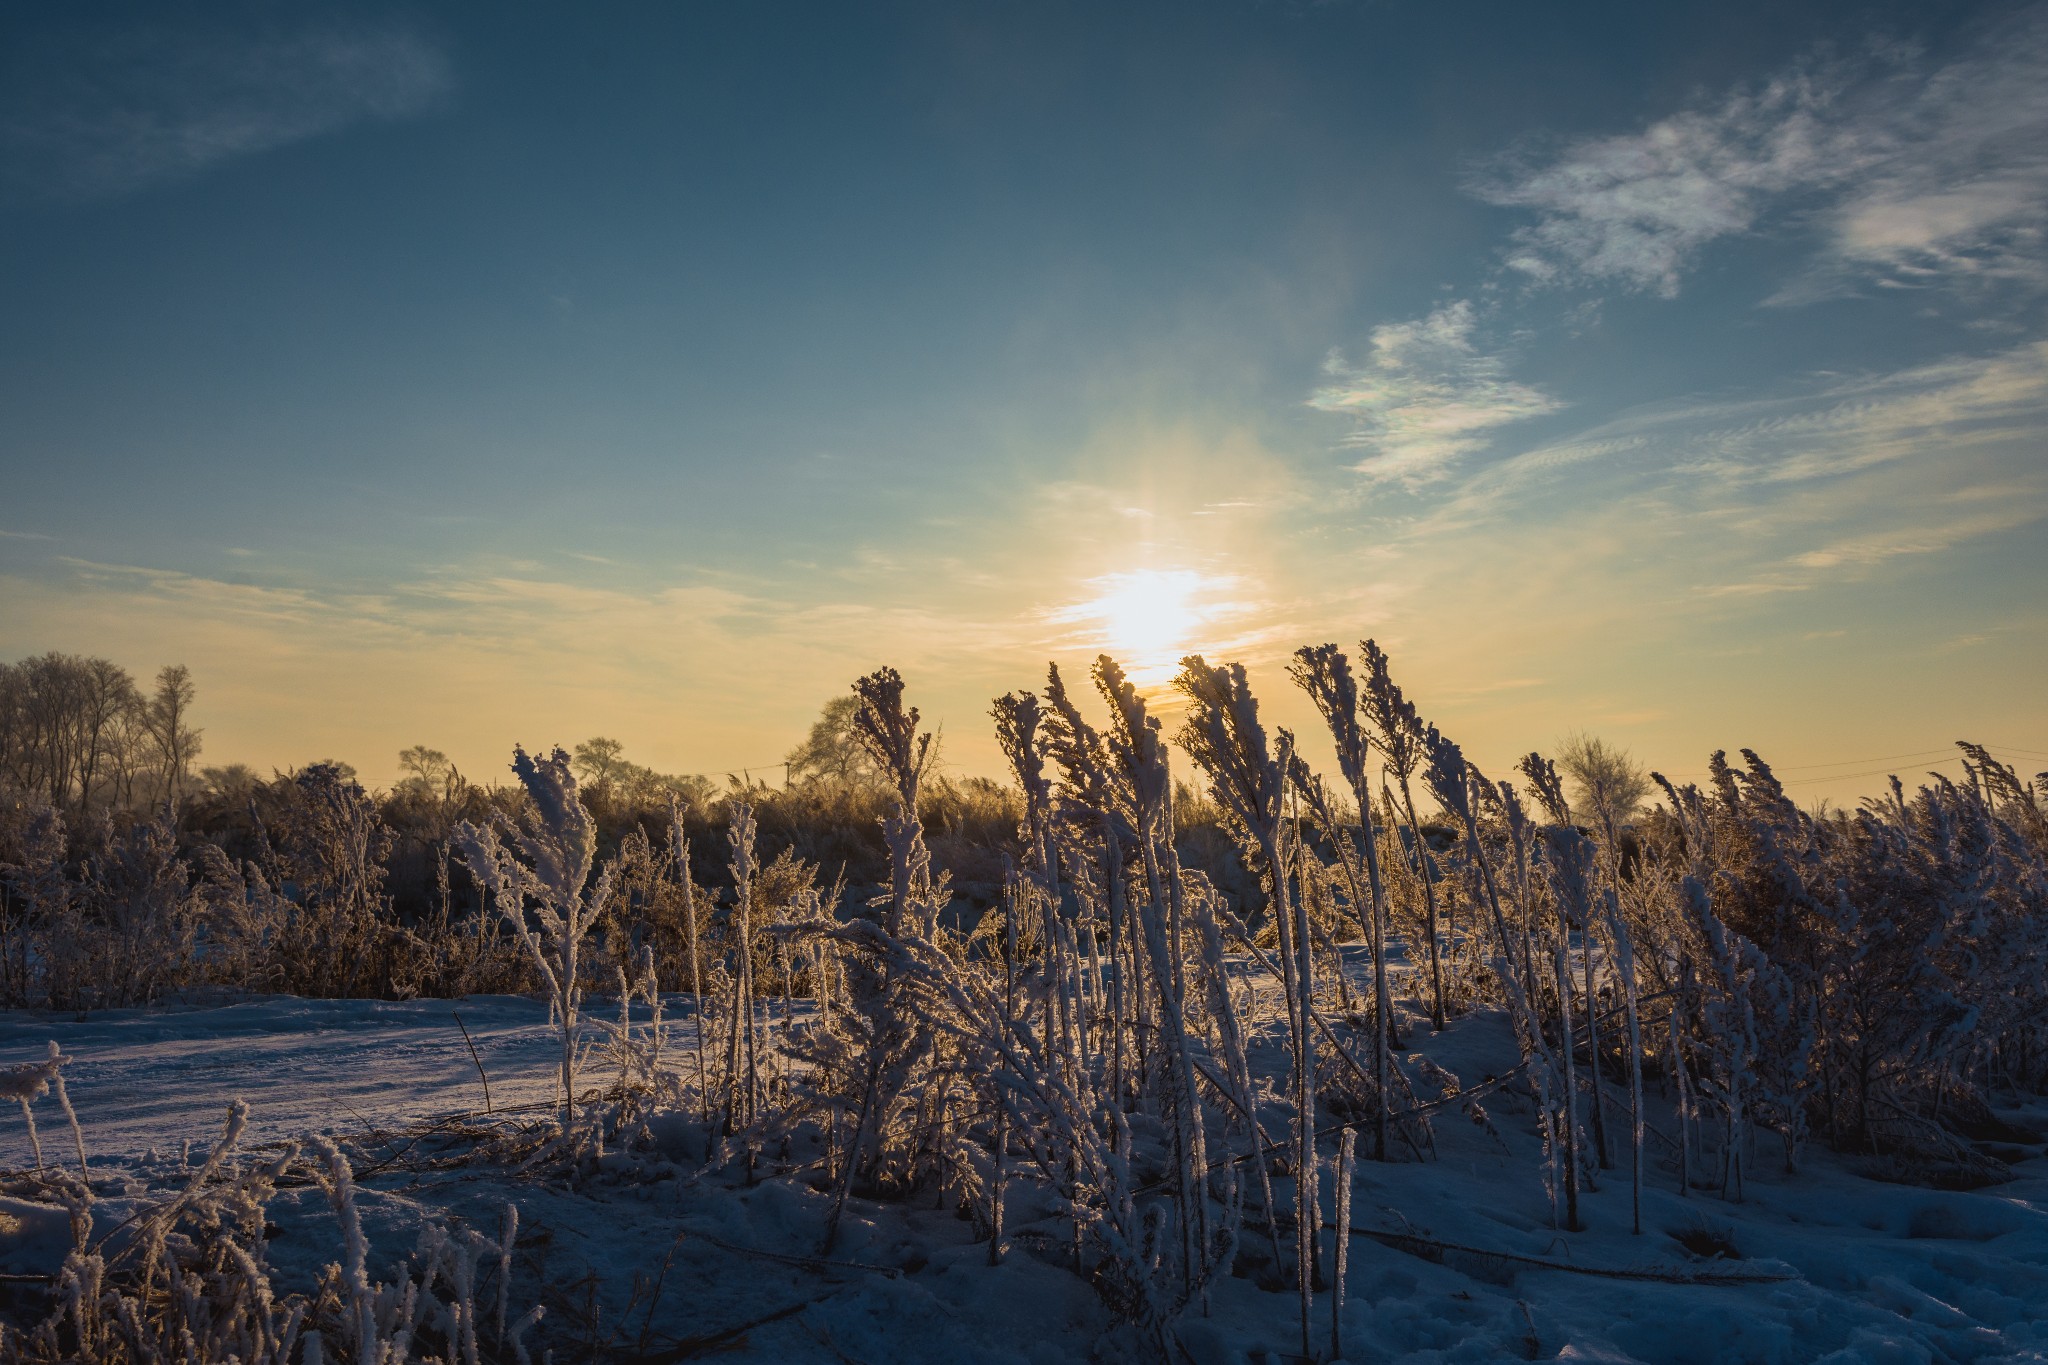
{"x":1851,"y":777}
{"x":1874,"y":758}
{"x":1948,"y":754}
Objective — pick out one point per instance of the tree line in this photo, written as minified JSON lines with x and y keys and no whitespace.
{"x":79,"y":733}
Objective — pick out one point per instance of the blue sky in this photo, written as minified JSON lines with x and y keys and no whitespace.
{"x":465,"y":376}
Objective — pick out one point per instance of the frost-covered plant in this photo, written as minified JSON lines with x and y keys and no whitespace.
{"x":322,"y":853}
{"x":1725,"y":1030}
{"x":187,"y":1277}
{"x":29,"y":1082}
{"x":1568,"y":860}
{"x":1017,"y":716}
{"x":1325,"y":674}
{"x":1088,"y":1046}
{"x":1222,"y":734}
{"x":894,"y":1042}
{"x":743,"y":1069}
{"x":37,"y":893}
{"x":117,"y":925}
{"x":679,"y":852}
{"x":1136,"y":747}
{"x":891,"y":736}
{"x":1396,"y":731}
{"x":1096,"y":825}
{"x":1076,"y":1143}
{"x":1625,"y":964}
{"x":1883,"y":955}
{"x":559,"y":842}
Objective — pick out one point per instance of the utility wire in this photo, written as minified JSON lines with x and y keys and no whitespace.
{"x":1948,"y":754}
{"x":1948,"y":749}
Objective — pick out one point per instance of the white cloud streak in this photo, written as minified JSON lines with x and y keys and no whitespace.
{"x":1834,"y":480}
{"x":1934,"y":412}
{"x":114,"y":116}
{"x":1829,"y":427}
{"x":1425,"y":395}
{"x":1637,"y":208}
{"x":1913,"y":172}
{"x":1863,"y":551}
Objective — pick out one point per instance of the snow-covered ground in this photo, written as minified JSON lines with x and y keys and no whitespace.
{"x":1840,"y":1267}
{"x":143,"y":1078}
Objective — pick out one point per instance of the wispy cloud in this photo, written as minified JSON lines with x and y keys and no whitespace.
{"x":1855,"y":555}
{"x":1956,"y":185}
{"x":1489,"y":689}
{"x":1425,"y":395}
{"x":1814,"y":429}
{"x":1720,"y":503}
{"x":1930,"y":412}
{"x":1637,"y":208}
{"x":1913,"y":171}
{"x":1877,"y":547}
{"x":1925,"y":411}
{"x":1761,"y":587}
{"x":102,"y":115}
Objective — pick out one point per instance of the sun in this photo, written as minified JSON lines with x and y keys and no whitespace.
{"x":1147,"y":620}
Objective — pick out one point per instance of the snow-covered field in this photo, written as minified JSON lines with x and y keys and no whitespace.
{"x":676,"y":1263}
{"x":144,"y":1078}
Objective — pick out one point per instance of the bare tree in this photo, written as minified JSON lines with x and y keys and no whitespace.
{"x":598,"y":762}
{"x":77,"y":732}
{"x":832,"y":752}
{"x":610,"y":777}
{"x":429,"y":766}
{"x":166,"y":720}
{"x":234,"y":782}
{"x":1608,"y":783}
{"x":49,"y":692}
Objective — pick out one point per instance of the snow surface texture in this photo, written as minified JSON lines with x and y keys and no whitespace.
{"x":698,"y":1261}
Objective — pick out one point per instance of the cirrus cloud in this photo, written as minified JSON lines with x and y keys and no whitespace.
{"x":1912,"y":172}
{"x":99,"y":116}
{"x":1425,"y":395}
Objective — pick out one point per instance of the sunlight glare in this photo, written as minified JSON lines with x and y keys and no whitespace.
{"x":1146,"y":620}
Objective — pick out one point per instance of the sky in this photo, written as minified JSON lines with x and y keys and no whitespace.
{"x":472,"y":375}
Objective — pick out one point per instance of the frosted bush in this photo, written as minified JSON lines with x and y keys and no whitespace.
{"x":544,"y":899}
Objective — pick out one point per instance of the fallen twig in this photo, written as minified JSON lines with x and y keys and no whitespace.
{"x":801,"y":1262}
{"x":474,"y":1058}
{"x":1429,"y":1249}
